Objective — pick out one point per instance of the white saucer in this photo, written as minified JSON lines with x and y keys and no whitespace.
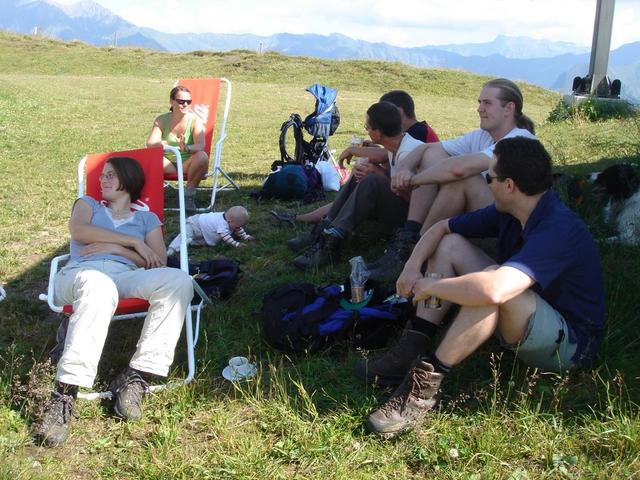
{"x":228,"y":375}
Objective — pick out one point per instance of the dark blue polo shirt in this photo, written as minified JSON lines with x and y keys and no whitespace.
{"x":558,"y":252}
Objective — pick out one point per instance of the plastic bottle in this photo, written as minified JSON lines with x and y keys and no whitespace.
{"x":358,"y":277}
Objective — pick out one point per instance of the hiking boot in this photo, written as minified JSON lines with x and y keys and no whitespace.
{"x":391,"y":368}
{"x":278,"y":219}
{"x":307,"y":239}
{"x":53,"y":429}
{"x":409,"y":404}
{"x":129,"y":388}
{"x":325,"y":250}
{"x":389,"y":267}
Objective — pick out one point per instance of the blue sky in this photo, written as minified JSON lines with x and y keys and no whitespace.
{"x":397,"y":22}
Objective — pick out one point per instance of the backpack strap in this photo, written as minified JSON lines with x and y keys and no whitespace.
{"x":304,"y":322}
{"x":294,"y":122}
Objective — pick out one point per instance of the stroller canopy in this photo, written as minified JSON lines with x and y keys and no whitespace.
{"x":319,"y":123}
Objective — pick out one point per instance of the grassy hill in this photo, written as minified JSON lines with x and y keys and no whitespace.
{"x":302,"y":417}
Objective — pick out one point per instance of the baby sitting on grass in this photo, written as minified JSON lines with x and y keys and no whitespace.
{"x":210,"y":228}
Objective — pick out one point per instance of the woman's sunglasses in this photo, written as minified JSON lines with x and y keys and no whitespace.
{"x":182,"y":101}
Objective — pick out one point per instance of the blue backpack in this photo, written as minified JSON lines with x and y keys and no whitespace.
{"x":301,"y":318}
{"x":292,"y":181}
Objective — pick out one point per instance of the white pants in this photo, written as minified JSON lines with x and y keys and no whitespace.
{"x":193,"y":234}
{"x":93,"y":287}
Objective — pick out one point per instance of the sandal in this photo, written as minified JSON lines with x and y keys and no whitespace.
{"x":280,"y":218}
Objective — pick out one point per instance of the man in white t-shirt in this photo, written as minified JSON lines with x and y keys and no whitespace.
{"x":363,"y":196}
{"x":446,"y":180}
{"x":446,"y":176}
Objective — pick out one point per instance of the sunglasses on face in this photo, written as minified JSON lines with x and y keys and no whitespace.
{"x":182,"y":101}
{"x":490,"y":179}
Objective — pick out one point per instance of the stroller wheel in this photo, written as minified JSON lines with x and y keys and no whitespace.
{"x":278,"y":219}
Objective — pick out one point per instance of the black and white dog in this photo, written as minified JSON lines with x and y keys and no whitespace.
{"x":620,"y":185}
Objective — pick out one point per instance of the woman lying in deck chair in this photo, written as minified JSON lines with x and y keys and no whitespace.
{"x":115,"y":252}
{"x":181,"y":128}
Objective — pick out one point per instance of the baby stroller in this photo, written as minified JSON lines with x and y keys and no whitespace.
{"x":299,"y":177}
{"x":320,"y":124}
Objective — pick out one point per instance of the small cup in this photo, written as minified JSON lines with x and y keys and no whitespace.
{"x":239,"y":368}
{"x":433,"y":303}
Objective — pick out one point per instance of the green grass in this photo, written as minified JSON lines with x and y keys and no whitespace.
{"x":302,"y":417}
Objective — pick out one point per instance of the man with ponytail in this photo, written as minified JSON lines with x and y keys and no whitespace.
{"x":447,"y":180}
{"x":446,"y":176}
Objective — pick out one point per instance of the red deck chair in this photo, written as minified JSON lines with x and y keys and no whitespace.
{"x":151,"y":198}
{"x":205,"y":93}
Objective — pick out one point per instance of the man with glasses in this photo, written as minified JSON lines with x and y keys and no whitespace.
{"x":369,"y":193}
{"x":542,"y":297}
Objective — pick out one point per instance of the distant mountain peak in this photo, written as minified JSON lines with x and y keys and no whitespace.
{"x":87,"y":8}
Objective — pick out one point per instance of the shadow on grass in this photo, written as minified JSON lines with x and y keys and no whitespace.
{"x":324,"y":381}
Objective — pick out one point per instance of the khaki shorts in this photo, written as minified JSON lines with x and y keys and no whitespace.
{"x":546,"y":342}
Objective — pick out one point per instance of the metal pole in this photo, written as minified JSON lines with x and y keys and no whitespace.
{"x":601,"y":43}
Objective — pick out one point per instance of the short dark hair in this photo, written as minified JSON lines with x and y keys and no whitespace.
{"x":401,"y":99}
{"x":130,"y":175}
{"x":385,"y":116}
{"x":526,"y":162}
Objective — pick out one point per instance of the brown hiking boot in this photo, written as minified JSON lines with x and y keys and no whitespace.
{"x":53,"y":428}
{"x":389,"y":267}
{"x":409,"y":404}
{"x":325,"y":251}
{"x":392,"y":367}
{"x":128,"y":389}
{"x":307,"y":239}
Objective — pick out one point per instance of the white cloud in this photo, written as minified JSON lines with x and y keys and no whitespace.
{"x":403,"y":23}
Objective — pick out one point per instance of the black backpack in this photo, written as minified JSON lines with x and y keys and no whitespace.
{"x":305,"y":152}
{"x":218,"y":278}
{"x":300,"y":317}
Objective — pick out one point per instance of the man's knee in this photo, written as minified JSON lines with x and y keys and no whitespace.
{"x":373,"y":181}
{"x":458,"y":187}
{"x":451,"y":246}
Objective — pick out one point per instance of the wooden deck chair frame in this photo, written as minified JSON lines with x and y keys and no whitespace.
{"x":90,"y":168}
{"x":205,"y":93}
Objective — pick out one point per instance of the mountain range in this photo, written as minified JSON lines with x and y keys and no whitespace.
{"x":549,"y":64}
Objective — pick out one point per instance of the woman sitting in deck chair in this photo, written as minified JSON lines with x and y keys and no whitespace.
{"x":116,"y":252}
{"x":181,"y":128}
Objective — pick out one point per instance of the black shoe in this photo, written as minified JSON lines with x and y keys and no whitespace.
{"x":409,"y":404}
{"x":307,"y":239}
{"x":129,"y":388}
{"x":326,"y":250}
{"x":53,"y":429}
{"x":279,"y":219}
{"x":389,"y":267}
{"x":392,"y":367}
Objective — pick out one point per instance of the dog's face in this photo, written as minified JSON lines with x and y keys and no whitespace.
{"x":618,"y":181}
